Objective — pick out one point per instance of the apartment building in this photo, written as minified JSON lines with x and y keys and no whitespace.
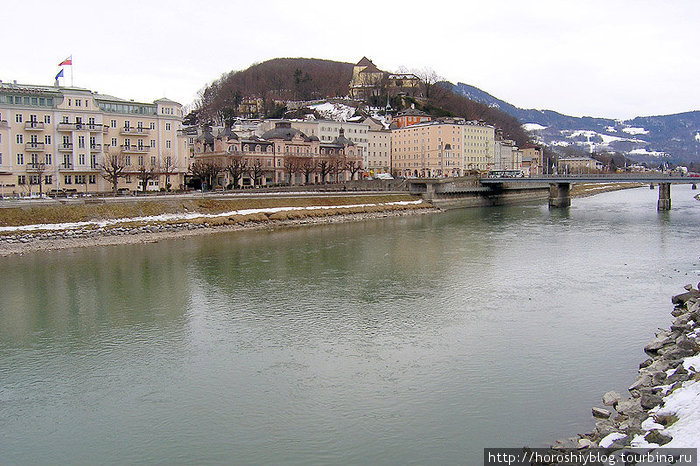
{"x":59,"y":138}
{"x":445,"y":147}
{"x":378,"y":147}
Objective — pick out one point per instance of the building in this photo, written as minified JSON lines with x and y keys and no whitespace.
{"x":62,"y":139}
{"x":328,"y":131}
{"x":533,"y":160}
{"x":408,"y":117}
{"x":478,"y":148}
{"x":444,"y":147}
{"x":507,"y":156}
{"x":369,"y":81}
{"x":378,"y":153}
{"x":282,"y":155}
{"x":578,"y":165}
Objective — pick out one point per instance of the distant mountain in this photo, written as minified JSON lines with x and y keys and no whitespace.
{"x":675,"y":138}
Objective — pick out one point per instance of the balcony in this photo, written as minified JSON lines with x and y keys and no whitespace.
{"x":95,"y":147}
{"x":135,"y":149}
{"x":36,"y":167}
{"x":65,"y":166}
{"x":66,"y":126}
{"x":34,"y":147}
{"x":134,"y":131}
{"x":65,"y":147}
{"x":34,"y":126}
{"x":95,"y":127}
{"x":4,"y":124}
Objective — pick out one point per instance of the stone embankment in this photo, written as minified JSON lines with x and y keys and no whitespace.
{"x":139,"y":232}
{"x":642,"y":419}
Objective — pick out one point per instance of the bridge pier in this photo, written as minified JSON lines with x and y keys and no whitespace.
{"x":664,"y":197}
{"x":559,"y":195}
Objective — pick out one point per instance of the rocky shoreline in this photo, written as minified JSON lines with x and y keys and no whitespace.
{"x":23,"y":242}
{"x":643,"y":419}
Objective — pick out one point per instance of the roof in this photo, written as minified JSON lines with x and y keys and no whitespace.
{"x":284,"y":130}
{"x":342,"y":140}
{"x":365,"y":62}
{"x":411,"y":112}
{"x":165,"y":100}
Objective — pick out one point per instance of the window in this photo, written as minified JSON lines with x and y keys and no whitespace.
{"x":153,"y":161}
{"x":47,"y":119}
{"x":152,"y":125}
{"x":18,"y":118}
{"x":67,"y":179}
{"x":20,"y":159}
{"x":69,"y":102}
{"x":81,"y":159}
{"x":127,"y":178}
{"x":81,"y":142}
{"x":64,"y":119}
{"x":47,"y":158}
{"x":21,"y":179}
{"x":113,"y":123}
{"x":167,"y":126}
{"x":167,"y":144}
{"x":34,"y":179}
{"x":153,"y":143}
{"x":92,"y":179}
{"x":48,"y":179}
{"x":91,"y":120}
{"x":114,"y":142}
{"x":141,"y":160}
{"x":47,"y":139}
{"x":0,"y":158}
{"x":19,"y":139}
{"x":77,"y":102}
{"x":127,"y":159}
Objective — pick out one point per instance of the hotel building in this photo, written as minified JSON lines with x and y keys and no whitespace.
{"x":59,"y":138}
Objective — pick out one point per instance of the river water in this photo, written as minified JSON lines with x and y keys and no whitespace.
{"x":407,"y":340}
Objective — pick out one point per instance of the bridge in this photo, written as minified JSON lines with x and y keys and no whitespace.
{"x":559,"y":185}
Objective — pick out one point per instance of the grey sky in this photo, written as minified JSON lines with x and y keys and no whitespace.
{"x":609,"y":58}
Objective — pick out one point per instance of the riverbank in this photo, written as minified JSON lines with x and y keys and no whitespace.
{"x":207,"y":219}
{"x":663,"y":407}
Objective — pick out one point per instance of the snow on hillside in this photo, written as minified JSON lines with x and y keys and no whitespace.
{"x":331,"y":111}
{"x":635,"y":131}
{"x":533,"y":127}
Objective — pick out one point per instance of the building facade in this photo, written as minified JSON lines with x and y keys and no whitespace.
{"x":282,"y":155}
{"x":378,"y":148}
{"x":445,"y":147}
{"x":55,"y":139}
{"x":578,"y":165}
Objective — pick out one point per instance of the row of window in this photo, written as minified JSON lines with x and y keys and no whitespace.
{"x":26,"y":100}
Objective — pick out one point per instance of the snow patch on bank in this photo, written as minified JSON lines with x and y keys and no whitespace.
{"x":187,"y":216}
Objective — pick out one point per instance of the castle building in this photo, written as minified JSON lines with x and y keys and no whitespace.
{"x":369,"y":81}
{"x":55,"y":139}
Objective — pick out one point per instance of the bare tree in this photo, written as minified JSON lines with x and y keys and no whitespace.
{"x":39,"y":169}
{"x":146,"y":173}
{"x":236,"y":168}
{"x":168,"y":168}
{"x":207,"y":171}
{"x":292,"y":166}
{"x":113,"y":169}
{"x":429,"y":78}
{"x":256,"y":171}
{"x":325,"y":167}
{"x":353,"y":166}
{"x":307,"y":167}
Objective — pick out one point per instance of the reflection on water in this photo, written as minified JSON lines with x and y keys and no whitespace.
{"x":418,"y":339}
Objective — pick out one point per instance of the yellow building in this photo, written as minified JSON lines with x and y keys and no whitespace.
{"x":59,"y":139}
{"x":445,"y":147}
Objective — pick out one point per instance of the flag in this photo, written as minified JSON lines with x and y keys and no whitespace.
{"x":67,"y":61}
{"x":59,"y":75}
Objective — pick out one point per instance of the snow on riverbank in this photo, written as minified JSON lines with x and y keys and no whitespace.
{"x":188,"y":216}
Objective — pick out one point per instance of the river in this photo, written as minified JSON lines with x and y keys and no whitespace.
{"x":407,"y":340}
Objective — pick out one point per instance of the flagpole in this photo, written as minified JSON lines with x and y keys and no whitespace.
{"x":71,"y":71}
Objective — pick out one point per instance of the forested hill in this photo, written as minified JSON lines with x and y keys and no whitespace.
{"x":278,"y":79}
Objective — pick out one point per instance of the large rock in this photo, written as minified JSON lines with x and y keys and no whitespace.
{"x":629,"y":407}
{"x":649,"y":400}
{"x":643,"y":381}
{"x":611,"y":398}
{"x":600,"y":413}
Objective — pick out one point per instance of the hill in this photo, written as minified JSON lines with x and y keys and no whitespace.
{"x":674,"y":138}
{"x":276,"y":79}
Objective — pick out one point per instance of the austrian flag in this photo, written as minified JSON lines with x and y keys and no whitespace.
{"x":67,"y":61}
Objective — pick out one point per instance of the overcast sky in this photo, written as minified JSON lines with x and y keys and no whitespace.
{"x":608,"y":58}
